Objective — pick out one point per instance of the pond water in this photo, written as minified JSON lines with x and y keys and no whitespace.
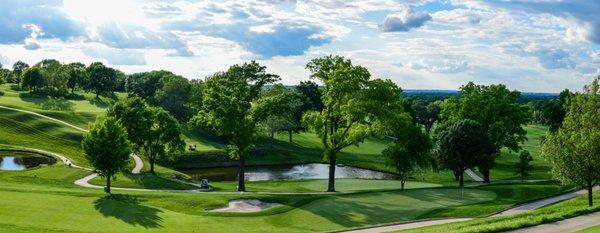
{"x":16,"y":161}
{"x":285,"y":172}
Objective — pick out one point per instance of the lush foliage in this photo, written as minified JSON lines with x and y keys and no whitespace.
{"x":227,"y":108}
{"x":524,"y":165}
{"x":153,"y":131}
{"x":107,"y":148}
{"x":574,"y":150}
{"x":409,"y":151}
{"x":497,"y":110}
{"x":462,"y":145}
{"x":355,"y":107}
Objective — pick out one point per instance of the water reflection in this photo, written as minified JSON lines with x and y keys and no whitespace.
{"x":21,"y":161}
{"x":303,"y":171}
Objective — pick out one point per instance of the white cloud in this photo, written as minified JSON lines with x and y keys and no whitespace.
{"x":404,"y":21}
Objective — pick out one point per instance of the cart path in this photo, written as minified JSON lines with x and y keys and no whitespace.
{"x":46,"y":117}
{"x":544,"y":202}
{"x":407,"y":226}
{"x":473,"y":175}
{"x":567,"y":225}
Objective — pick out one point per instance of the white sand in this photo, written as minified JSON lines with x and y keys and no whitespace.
{"x":246,"y":206}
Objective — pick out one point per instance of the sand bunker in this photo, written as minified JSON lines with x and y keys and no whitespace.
{"x":246,"y":206}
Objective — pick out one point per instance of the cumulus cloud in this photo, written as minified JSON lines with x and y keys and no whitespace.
{"x":548,"y":57}
{"x":48,"y":15}
{"x":584,"y":11}
{"x":439,"y":65}
{"x":31,"y":40}
{"x":404,"y":21}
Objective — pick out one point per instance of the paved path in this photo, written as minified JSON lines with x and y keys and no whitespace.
{"x":544,"y":202}
{"x":473,"y":175}
{"x":515,"y":210}
{"x":407,"y":226}
{"x":567,"y":225}
{"x":139,"y":164}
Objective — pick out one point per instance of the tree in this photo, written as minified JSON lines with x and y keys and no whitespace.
{"x":278,"y":110}
{"x":310,"y":90}
{"x":107,"y":148}
{"x":524,"y":166}
{"x":56,"y":79}
{"x":574,"y":149}
{"x":76,"y":75}
{"x":102,"y":79}
{"x":425,"y":113}
{"x":497,"y":110}
{"x":153,"y":132}
{"x":460,"y":146}
{"x":354,"y":107}
{"x":553,"y":112}
{"x":18,"y":68}
{"x":409,"y":151}
{"x":33,"y":78}
{"x":174,"y":95}
{"x":227,"y":108}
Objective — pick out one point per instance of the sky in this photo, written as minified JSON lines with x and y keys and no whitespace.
{"x":533,"y":45}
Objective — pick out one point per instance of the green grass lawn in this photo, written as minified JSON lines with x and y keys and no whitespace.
{"x":548,"y":214}
{"x":80,"y":111}
{"x":23,"y":129}
{"x":590,"y":230}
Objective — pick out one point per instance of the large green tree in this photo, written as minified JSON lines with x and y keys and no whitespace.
{"x":153,"y":131}
{"x":498,"y":111}
{"x":227,"y":108}
{"x":279,"y":108}
{"x":17,"y":69}
{"x":410,"y":150}
{"x":33,"y":78}
{"x":107,"y":148}
{"x":354,"y":106}
{"x":574,"y":149}
{"x":77,"y":75}
{"x":460,"y":146}
{"x":102,"y":79}
{"x":553,"y":111}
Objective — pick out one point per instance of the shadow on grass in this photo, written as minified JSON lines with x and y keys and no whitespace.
{"x":99,"y":102}
{"x":129,"y":210}
{"x":151,"y":181}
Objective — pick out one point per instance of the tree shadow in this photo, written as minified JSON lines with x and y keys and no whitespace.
{"x":128,"y":209}
{"x":99,"y":102}
{"x":58,"y":104}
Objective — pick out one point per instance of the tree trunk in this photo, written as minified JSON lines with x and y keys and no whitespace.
{"x":461,"y":180}
{"x":272,"y":136}
{"x":241,"y":177}
{"x":331,"y":183}
{"x":97,"y":94}
{"x":590,"y":191}
{"x":486,"y":174}
{"x":151,"y":166}
{"x":107,"y":190}
{"x":456,"y":175}
{"x":290,"y":131}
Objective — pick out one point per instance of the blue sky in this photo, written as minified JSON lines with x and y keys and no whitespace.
{"x":533,"y":45}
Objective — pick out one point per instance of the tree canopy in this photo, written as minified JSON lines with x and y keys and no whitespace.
{"x":102,"y":79}
{"x":153,"y":131}
{"x":497,"y":110}
{"x":574,"y":149}
{"x":107,"y":148}
{"x":227,"y":108}
{"x":461,"y":145}
{"x":354,"y":106}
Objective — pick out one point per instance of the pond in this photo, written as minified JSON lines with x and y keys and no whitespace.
{"x":17,"y":161}
{"x":285,"y":172}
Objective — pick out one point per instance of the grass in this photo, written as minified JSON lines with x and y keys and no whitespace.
{"x":590,"y":229}
{"x":80,"y":111}
{"x":552,"y":213}
{"x":23,"y":129}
